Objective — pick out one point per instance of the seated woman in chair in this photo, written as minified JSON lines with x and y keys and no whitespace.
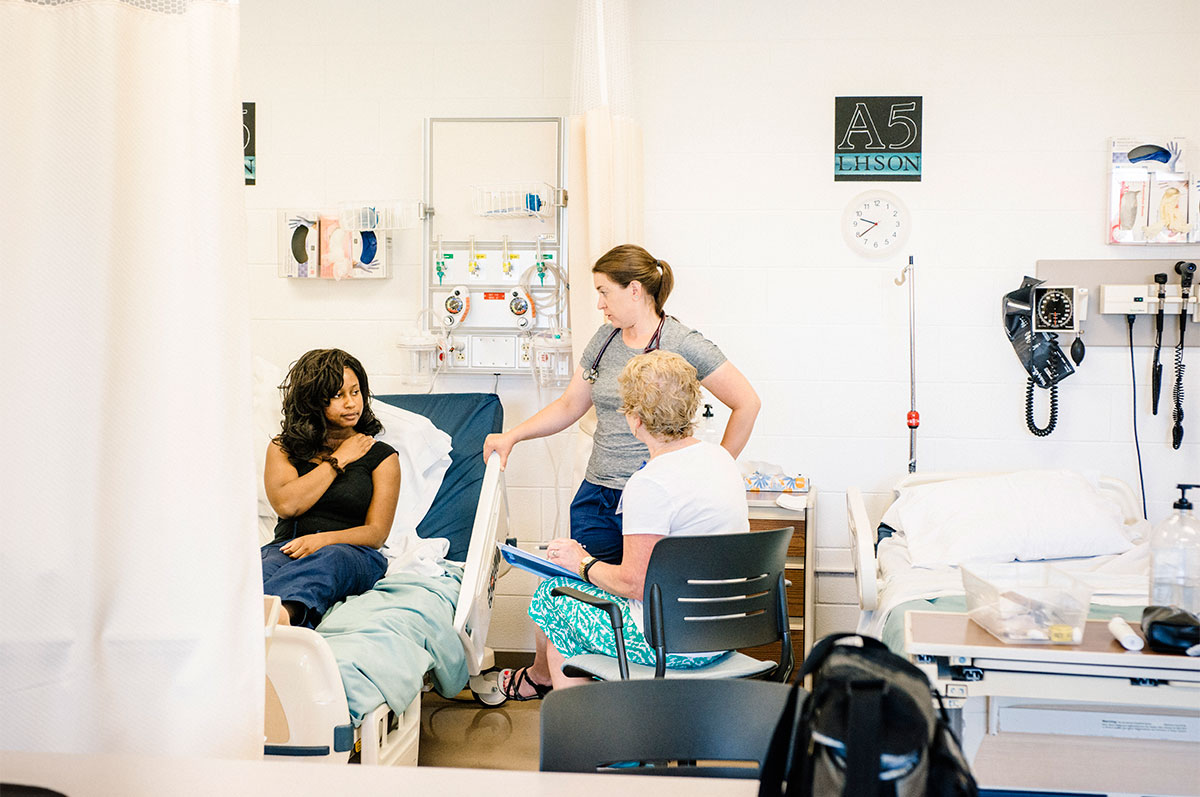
{"x":687,"y":487}
{"x":334,"y":487}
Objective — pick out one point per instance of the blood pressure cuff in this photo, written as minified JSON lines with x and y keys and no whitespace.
{"x":1170,"y":629}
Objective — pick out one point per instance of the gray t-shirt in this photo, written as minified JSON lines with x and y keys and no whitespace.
{"x":616,"y":453}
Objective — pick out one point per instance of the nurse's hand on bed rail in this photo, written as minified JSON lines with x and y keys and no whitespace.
{"x":500,"y":444}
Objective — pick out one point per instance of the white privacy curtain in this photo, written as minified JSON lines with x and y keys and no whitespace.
{"x":130,"y":591}
{"x":605,"y":160}
{"x":604,"y":165}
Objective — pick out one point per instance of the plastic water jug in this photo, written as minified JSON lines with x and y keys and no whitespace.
{"x":1175,"y":557}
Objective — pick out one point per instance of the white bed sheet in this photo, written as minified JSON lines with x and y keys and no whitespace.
{"x":1115,"y":579}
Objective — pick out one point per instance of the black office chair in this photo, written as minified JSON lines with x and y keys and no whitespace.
{"x":713,"y":592}
{"x":697,"y":728}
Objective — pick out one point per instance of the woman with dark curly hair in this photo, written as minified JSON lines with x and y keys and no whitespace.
{"x":333,"y":486}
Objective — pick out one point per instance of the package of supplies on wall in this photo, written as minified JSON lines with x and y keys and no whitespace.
{"x":298,"y":242}
{"x":551,"y":358}
{"x":1152,"y":192}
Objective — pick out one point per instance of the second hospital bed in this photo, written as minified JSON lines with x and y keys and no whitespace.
{"x":353,"y":686}
{"x":1060,"y":701}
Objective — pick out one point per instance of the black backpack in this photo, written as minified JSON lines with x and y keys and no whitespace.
{"x":867,"y":729}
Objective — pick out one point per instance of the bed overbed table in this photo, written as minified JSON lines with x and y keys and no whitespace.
{"x":1094,"y":687}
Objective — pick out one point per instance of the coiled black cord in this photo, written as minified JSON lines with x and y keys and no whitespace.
{"x":1033,"y":427}
{"x":1177,"y":389}
{"x":1137,"y":446}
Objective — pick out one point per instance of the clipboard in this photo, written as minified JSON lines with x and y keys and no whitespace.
{"x":538,"y":565}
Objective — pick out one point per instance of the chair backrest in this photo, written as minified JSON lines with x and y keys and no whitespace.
{"x":716,"y":592}
{"x":693,"y":727}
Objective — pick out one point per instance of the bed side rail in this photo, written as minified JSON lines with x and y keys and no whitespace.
{"x":862,"y":548}
{"x":473,"y":614}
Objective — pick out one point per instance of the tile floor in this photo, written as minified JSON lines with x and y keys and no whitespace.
{"x":463,"y":733}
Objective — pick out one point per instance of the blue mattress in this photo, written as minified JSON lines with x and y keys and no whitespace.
{"x":468,"y":418}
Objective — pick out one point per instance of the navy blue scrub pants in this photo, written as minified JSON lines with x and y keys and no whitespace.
{"x":320,"y":579}
{"x":595,"y":523}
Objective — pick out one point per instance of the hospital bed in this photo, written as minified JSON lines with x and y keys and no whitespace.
{"x":353,"y":687}
{"x":1093,"y":702}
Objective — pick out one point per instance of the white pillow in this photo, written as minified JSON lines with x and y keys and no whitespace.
{"x":1023,"y":516}
{"x":424,"y":452}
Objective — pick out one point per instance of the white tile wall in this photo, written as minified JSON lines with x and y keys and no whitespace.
{"x":736,"y":102}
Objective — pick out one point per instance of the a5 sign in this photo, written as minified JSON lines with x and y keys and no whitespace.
{"x":877,"y":138}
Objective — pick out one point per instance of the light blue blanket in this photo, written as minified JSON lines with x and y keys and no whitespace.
{"x":385,"y":640}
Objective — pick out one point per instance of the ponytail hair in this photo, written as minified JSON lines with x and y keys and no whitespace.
{"x":628,"y":262}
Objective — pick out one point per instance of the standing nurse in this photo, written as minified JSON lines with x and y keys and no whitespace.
{"x":633,"y":286}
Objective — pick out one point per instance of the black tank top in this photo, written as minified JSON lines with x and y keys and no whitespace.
{"x":344,"y":505}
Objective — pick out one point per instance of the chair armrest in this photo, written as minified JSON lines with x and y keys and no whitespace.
{"x":614,"y":611}
{"x":614,"y":616}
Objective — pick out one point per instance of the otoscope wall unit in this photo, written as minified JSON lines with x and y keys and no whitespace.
{"x":1119,"y":288}
{"x":1144,"y":300}
{"x":495,"y":239}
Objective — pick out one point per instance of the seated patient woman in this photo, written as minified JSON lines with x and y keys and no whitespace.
{"x":334,"y":487}
{"x":687,"y":487}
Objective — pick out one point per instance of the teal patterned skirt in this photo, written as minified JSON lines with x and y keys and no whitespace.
{"x":575,"y":627}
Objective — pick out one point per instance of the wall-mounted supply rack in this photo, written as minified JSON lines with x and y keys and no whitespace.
{"x":350,"y":241}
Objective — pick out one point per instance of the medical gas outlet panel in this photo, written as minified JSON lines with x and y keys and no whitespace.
{"x":495,"y":210}
{"x":480,"y":304}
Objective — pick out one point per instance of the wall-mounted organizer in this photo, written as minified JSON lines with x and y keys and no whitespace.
{"x":494,"y":271}
{"x":351,"y":241}
{"x":1153,"y":197}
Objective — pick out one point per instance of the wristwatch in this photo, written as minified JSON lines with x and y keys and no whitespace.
{"x":584,"y":564}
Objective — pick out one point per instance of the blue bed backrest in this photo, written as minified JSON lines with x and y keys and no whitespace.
{"x":468,"y":418}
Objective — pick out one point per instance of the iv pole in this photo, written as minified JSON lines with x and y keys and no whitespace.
{"x":914,"y":417}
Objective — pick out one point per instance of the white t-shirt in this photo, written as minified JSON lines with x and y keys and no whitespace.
{"x":693,"y":490}
{"x":688,"y":492}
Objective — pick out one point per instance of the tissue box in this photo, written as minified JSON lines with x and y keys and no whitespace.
{"x":1027,"y":602}
{"x":758,"y":481}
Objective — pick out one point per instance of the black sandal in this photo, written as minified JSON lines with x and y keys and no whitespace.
{"x":511,"y":689}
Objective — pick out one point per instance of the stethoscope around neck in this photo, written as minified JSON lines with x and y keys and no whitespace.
{"x":594,"y":372}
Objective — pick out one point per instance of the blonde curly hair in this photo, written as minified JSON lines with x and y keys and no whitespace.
{"x":660,"y":388}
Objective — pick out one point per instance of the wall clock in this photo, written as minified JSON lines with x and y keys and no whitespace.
{"x":876,"y":224}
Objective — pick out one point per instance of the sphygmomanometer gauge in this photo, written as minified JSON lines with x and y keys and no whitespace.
{"x":1054,"y":309}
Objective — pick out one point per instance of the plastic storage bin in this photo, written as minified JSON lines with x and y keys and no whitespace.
{"x":420,"y":356}
{"x":1027,"y":602}
{"x":552,"y":362}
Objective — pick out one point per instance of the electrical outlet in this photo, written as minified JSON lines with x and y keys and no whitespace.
{"x":524,"y":352}
{"x":458,"y":351}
